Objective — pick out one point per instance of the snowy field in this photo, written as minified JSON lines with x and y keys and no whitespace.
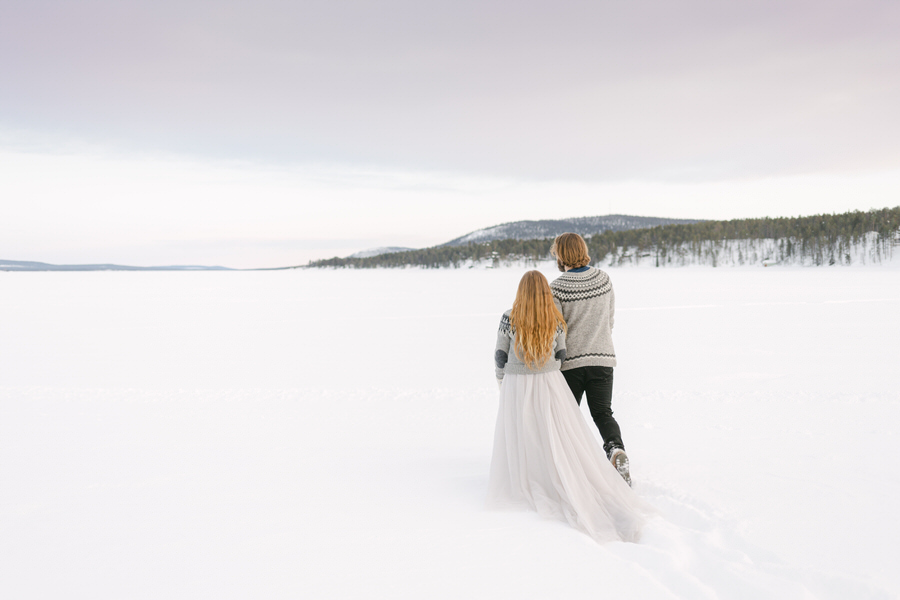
{"x":327,"y":434}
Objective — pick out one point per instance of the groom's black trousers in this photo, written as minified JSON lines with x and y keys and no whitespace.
{"x":597,"y":382}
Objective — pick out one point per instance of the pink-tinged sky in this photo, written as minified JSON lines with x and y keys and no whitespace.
{"x":262,"y":133}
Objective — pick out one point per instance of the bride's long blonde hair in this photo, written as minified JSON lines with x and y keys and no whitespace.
{"x":535,"y":319}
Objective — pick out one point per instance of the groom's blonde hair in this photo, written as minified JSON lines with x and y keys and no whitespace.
{"x":570,"y":250}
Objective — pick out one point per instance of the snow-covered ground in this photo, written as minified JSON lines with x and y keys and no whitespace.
{"x":327,"y":434}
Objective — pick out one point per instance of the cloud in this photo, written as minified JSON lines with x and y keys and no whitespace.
{"x":599,"y":91}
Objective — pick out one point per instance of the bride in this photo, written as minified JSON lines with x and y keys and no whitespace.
{"x":545,"y":456}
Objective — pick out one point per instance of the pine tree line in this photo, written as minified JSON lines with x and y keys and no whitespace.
{"x":816,"y":240}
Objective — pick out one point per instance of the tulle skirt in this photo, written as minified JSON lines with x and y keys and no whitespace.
{"x":547,"y":459}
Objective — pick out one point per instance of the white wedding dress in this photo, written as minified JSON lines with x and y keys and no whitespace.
{"x":546,"y":458}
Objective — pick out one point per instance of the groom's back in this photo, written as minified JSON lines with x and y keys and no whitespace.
{"x":587,"y":302}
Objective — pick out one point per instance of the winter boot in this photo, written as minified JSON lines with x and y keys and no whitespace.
{"x":619,"y":460}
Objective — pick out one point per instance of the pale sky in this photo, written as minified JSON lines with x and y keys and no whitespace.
{"x":272,"y":132}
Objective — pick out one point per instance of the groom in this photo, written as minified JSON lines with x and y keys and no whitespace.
{"x":584,"y":295}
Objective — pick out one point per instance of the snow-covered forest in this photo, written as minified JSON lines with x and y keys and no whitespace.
{"x":839,"y":239}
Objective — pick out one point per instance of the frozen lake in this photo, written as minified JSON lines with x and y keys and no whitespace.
{"x":327,"y":434}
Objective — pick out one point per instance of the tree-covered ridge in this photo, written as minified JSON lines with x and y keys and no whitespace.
{"x":550,"y":228}
{"x":816,"y":240}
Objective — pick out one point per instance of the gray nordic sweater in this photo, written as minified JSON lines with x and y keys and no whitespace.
{"x":506,"y":361}
{"x":588,"y":304}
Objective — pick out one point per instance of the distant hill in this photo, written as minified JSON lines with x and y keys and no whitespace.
{"x":855,"y":237}
{"x":26,"y":265}
{"x":550,"y":228}
{"x":379,"y":251}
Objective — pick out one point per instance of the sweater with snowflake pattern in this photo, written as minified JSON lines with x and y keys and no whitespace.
{"x":588,"y":305}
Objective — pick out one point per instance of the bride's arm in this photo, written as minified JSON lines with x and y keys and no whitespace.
{"x":501,"y":350}
{"x":560,"y":345}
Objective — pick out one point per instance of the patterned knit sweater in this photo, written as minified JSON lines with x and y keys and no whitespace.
{"x":506,"y":361}
{"x":588,"y":304}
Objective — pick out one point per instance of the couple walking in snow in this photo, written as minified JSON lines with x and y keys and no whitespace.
{"x":554,"y":346}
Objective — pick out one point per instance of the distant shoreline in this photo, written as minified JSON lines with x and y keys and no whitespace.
{"x":26,"y":265}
